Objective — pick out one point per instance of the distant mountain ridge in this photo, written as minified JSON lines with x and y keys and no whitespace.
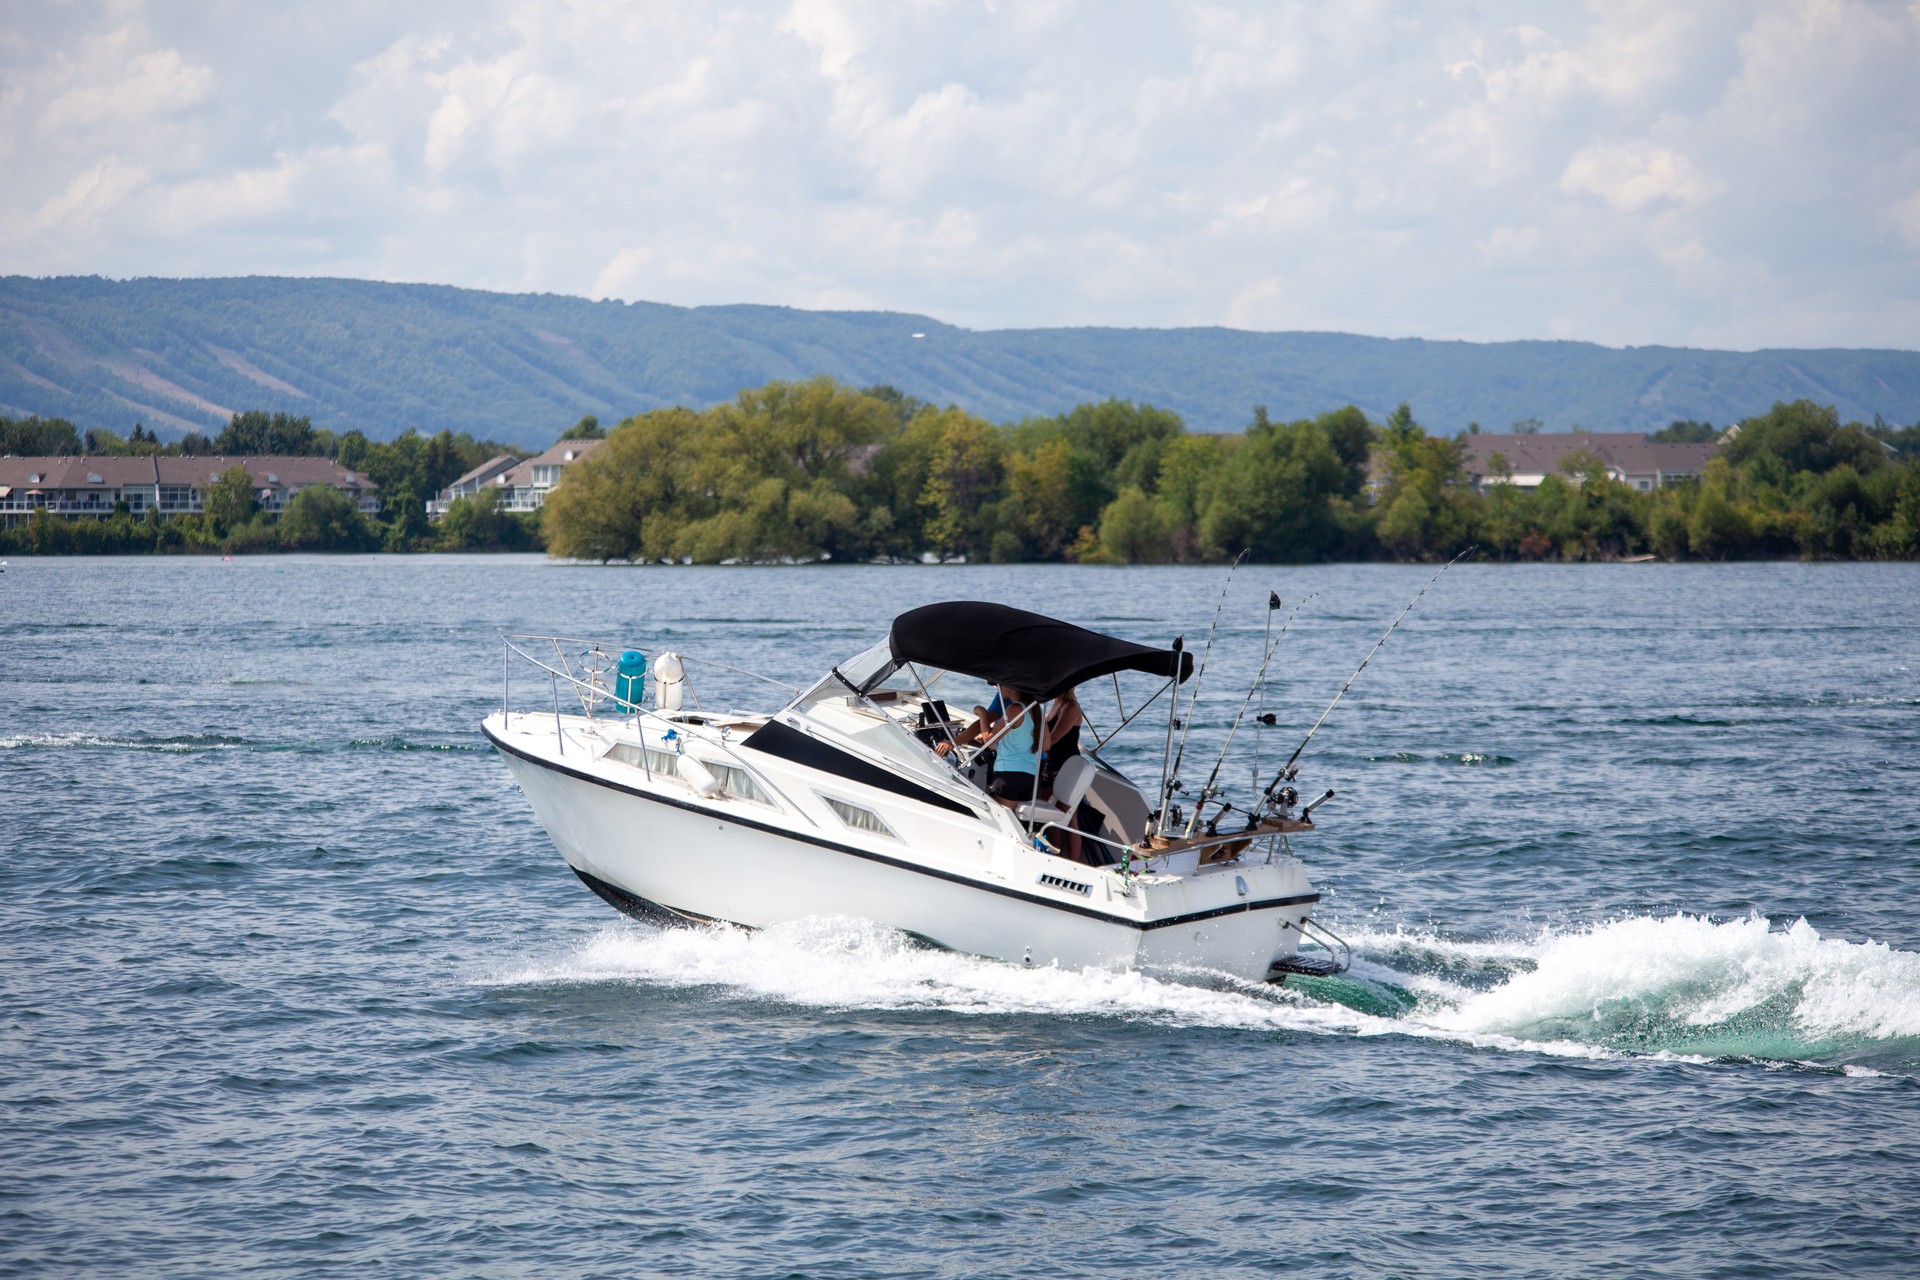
{"x":184,"y":354}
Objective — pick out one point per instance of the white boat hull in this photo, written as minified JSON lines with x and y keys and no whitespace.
{"x":650,"y":846}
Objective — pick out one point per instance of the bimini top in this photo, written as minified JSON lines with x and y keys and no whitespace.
{"x":1041,"y":657}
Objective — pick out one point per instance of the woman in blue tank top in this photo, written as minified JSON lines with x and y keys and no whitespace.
{"x":1016,"y":760}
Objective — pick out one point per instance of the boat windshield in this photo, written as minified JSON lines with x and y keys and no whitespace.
{"x":864,"y":671}
{"x":873,"y":675}
{"x":876,"y":671}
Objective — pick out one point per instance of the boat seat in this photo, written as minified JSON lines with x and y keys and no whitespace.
{"x":1069,"y":789}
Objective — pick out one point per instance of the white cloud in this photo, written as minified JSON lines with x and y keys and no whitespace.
{"x":1721,"y":172}
{"x":625,"y":276}
{"x":90,"y":195}
{"x":1630,"y":176}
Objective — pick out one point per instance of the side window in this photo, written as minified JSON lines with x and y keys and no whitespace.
{"x":734,"y":781}
{"x":859,"y":818}
{"x":738,"y":783}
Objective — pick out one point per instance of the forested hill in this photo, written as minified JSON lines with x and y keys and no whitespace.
{"x":185,"y":354}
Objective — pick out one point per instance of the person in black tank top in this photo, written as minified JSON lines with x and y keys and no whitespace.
{"x":1062,"y":744}
{"x":1063,"y":736}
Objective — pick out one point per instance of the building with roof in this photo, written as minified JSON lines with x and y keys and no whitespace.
{"x":522,"y":486}
{"x":487,"y":474}
{"x":96,"y":486}
{"x":1525,"y":460}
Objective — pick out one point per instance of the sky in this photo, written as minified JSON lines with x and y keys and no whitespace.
{"x":1712,"y":174}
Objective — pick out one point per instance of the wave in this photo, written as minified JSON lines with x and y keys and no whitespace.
{"x":1677,"y":984}
{"x":1668,"y":987}
{"x":1472,"y":759}
{"x":397,"y":743}
{"x":179,"y":742}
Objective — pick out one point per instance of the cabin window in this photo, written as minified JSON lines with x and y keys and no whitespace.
{"x":734,"y":781}
{"x":860,"y":819}
{"x":646,"y":758}
{"x":738,"y":783}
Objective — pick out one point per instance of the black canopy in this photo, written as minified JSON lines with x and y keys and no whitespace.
{"x":1041,"y":657}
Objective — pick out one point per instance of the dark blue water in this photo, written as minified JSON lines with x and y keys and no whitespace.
{"x":294,"y":984}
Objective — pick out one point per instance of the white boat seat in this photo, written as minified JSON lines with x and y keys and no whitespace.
{"x":1069,"y":789}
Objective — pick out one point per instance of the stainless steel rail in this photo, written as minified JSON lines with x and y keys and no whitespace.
{"x":592,"y":693}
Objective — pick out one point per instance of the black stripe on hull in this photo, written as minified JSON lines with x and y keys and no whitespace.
{"x":1005,"y":891}
{"x":640,"y":908}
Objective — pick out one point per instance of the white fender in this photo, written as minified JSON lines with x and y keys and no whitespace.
{"x":696,"y":775}
{"x":669,"y":682}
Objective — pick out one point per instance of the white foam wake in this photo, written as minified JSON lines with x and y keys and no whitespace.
{"x":845,"y":963}
{"x":1684,"y":972}
{"x":1671,"y":986}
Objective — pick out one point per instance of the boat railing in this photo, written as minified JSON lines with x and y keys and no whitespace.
{"x":592,"y":686}
{"x":600,"y":656}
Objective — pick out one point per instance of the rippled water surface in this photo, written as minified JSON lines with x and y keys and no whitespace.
{"x":294,"y":983}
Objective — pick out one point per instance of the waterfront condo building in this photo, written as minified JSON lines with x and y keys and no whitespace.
{"x":95,"y":486}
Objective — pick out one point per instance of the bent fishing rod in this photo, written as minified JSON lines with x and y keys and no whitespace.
{"x":1287,"y":769}
{"x":1272,"y":647}
{"x":1170,"y":767}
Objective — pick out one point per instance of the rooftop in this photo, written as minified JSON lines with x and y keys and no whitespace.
{"x":112,"y":473}
{"x":1627,"y":452}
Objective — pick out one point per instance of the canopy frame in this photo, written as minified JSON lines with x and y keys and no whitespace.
{"x":1042,"y":657}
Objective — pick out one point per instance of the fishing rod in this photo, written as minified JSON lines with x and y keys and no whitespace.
{"x":1287,"y":768}
{"x":1273,"y":603}
{"x":1272,"y":646}
{"x":1171,"y":784}
{"x":1173,"y":714}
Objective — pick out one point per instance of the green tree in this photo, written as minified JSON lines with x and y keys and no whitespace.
{"x":1110,"y":445}
{"x":1804,"y":436}
{"x":1193,"y":471}
{"x":405,"y":515}
{"x":1717,"y":529}
{"x":1136,"y":529}
{"x":254,"y":433}
{"x":1276,"y":499}
{"x":1037,"y":518}
{"x":38,"y":437}
{"x":588,"y":428}
{"x":478,"y":524}
{"x":1425,"y":508}
{"x":779,"y":462}
{"x":1685,"y":431}
{"x":321,"y":518}
{"x":962,"y":478}
{"x":229,"y":502}
{"x":632,"y":499}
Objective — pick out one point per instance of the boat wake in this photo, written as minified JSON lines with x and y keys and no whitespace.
{"x":1673,"y":987}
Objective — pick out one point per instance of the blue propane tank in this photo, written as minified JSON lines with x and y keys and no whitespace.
{"x":630,"y":680}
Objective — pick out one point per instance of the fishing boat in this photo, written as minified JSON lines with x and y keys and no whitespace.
{"x":865,"y":795}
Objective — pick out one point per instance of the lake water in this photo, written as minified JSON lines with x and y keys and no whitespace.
{"x":294,"y":983}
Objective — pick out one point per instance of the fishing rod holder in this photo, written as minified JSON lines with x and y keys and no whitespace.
{"x":1306,"y":814}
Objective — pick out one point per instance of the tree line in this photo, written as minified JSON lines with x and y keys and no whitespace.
{"x":817,"y":470}
{"x":801,"y":471}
